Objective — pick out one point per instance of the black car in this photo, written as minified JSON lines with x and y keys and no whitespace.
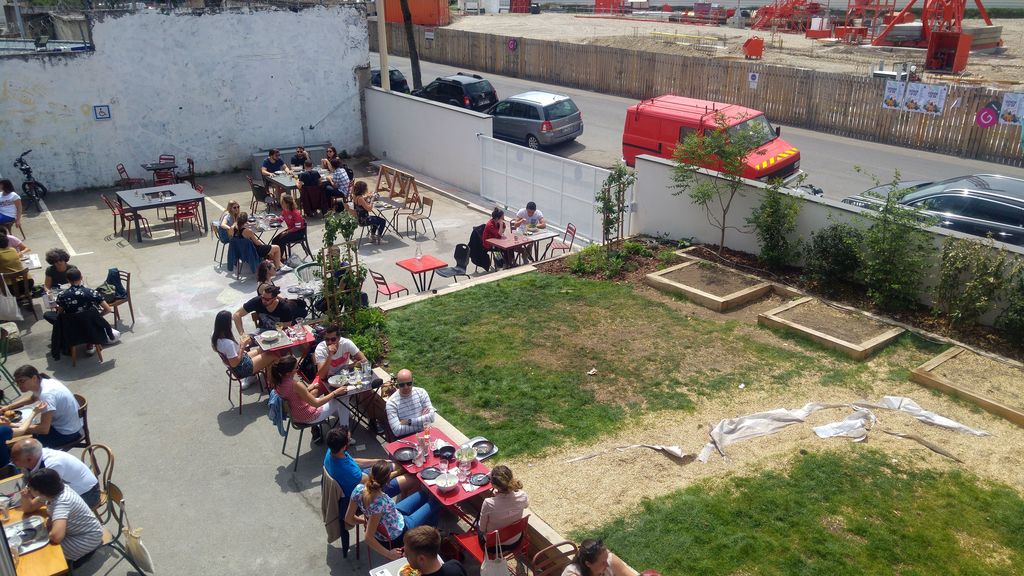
{"x":979,"y":204}
{"x":463,"y":90}
{"x":398,"y":81}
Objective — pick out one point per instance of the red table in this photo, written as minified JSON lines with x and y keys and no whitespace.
{"x":419,"y":268}
{"x":452,"y":498}
{"x":286,"y":343}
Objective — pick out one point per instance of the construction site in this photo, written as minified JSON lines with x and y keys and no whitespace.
{"x":911,"y":39}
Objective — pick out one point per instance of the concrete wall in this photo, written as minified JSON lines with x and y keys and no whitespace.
{"x":659,"y":212}
{"x":437,"y":140}
{"x":214,"y":87}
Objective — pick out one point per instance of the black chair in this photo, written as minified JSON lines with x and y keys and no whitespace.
{"x":303,"y":242}
{"x":301,"y":427}
{"x":85,"y":327}
{"x":259,"y":194}
{"x":461,"y":262}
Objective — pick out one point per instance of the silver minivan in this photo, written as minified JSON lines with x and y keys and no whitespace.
{"x":537,"y":119}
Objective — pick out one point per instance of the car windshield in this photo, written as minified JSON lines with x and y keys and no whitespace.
{"x":759,"y":127}
{"x":560,"y":110}
{"x":396,"y":76}
{"x":479,"y":87}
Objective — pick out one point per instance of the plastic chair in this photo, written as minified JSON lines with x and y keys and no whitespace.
{"x":565,"y":244}
{"x":19,"y":285}
{"x":470,"y":542}
{"x":186,"y":211}
{"x":100,"y":459}
{"x":552,"y":560}
{"x":389,"y":289}
{"x":126,"y":280}
{"x":461,"y":263}
{"x":259,"y":194}
{"x":83,"y":440}
{"x":426,"y":204}
{"x":126,"y":182}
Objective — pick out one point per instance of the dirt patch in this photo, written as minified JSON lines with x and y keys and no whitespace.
{"x":986,"y":377}
{"x":846,"y":326}
{"x":988,"y":551}
{"x":712,"y":279}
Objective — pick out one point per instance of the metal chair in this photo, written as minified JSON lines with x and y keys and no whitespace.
{"x":565,"y":244}
{"x":126,"y":182}
{"x":164,"y":178}
{"x":552,"y":560}
{"x":389,"y":289}
{"x":126,"y":280}
{"x":259,"y":194}
{"x":461,"y":263}
{"x":301,"y":427}
{"x":307,"y":272}
{"x":127,"y":218}
{"x":303,"y":242}
{"x":232,"y":379}
{"x":189,"y":176}
{"x":168,"y":158}
{"x":426,"y":204}
{"x":19,"y":285}
{"x":116,"y":511}
{"x":471,"y":543}
{"x":3,"y":367}
{"x":186,"y":212}
{"x":221,"y":245}
{"x":100,"y":459}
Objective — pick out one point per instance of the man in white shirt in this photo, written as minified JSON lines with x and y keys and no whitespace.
{"x":530,"y":216}
{"x":29,"y":455}
{"x":333,"y":355}
{"x":409,"y":408}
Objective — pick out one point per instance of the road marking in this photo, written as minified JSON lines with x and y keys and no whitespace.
{"x":60,"y":233}
{"x":214,"y":202}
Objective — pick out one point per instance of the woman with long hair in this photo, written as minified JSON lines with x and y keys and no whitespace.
{"x":330,"y":154}
{"x":227,"y":219}
{"x":594,"y":559}
{"x":264,"y":276}
{"x":305,"y":402}
{"x":264,"y":251}
{"x":369,"y":505}
{"x":296,"y":225}
{"x":505,"y":507}
{"x":242,"y":364}
{"x":364,"y":212}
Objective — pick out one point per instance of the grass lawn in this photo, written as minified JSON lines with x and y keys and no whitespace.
{"x":848,"y":512}
{"x":509,"y":359}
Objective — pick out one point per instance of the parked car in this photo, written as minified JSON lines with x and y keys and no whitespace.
{"x":462,"y":90}
{"x":978,"y":204}
{"x":398,"y":81}
{"x":537,"y":119}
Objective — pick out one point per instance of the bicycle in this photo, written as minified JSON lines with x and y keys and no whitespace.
{"x":30,"y":188}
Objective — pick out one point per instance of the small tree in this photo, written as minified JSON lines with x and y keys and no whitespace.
{"x":774,"y":221}
{"x":722,"y":150}
{"x":611,"y":204}
{"x":972,"y":278}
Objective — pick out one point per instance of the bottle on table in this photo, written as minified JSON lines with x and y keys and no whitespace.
{"x":419,"y":253}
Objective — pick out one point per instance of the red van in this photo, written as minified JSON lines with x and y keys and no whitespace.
{"x":656,"y":125}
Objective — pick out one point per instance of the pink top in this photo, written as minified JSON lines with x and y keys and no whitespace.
{"x":301,"y":410}
{"x":501,"y":510}
{"x":293,"y":218}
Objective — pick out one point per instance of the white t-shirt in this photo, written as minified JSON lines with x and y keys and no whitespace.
{"x":228,"y":348}
{"x":61,"y":402}
{"x":72,"y":471}
{"x":346,"y":349}
{"x":7,"y":207}
{"x":534,"y":220}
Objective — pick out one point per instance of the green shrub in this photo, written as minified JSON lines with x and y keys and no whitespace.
{"x":637,"y":249}
{"x":368,"y":329}
{"x":666,"y":258}
{"x":594,"y":260}
{"x":774,"y":221}
{"x":972,"y":276}
{"x":833,"y":255}
{"x":1011,"y":321}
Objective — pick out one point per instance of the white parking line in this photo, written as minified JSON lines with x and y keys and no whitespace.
{"x":60,"y":233}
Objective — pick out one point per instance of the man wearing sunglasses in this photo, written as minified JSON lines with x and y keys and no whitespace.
{"x":410,"y":408}
{"x":333,"y":355}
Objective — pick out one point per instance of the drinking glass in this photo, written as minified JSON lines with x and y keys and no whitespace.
{"x":442,"y":465}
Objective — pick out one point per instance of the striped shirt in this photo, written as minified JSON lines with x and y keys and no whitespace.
{"x":83,"y":533}
{"x":409,"y":408}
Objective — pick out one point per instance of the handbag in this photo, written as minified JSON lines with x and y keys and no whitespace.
{"x":9,"y":309}
{"x":494,"y":566}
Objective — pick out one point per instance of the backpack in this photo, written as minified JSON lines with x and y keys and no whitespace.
{"x":107,"y":291}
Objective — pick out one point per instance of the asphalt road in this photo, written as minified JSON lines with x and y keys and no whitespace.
{"x":830,"y":161}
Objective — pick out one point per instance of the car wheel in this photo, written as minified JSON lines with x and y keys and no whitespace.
{"x":532,"y":142}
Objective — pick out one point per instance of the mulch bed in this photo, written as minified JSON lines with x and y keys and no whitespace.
{"x":714,"y":280}
{"x":847,"y":326}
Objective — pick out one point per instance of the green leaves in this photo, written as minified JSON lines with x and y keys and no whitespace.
{"x":972,"y":278}
{"x":774,"y":221}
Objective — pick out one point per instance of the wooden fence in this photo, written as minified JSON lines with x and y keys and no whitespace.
{"x":828,"y":102}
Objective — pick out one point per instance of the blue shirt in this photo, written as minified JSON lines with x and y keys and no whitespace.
{"x":345,"y":471}
{"x":5,"y":451}
{"x":272,"y":166}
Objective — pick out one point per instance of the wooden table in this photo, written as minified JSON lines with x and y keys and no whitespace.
{"x":510,"y":243}
{"x":419,"y":267}
{"x":46,"y":561}
{"x":159,"y":197}
{"x":451,"y":499}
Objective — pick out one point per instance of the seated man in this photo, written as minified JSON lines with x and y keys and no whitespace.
{"x":29,"y":455}
{"x":409,"y":408}
{"x":271,"y":164}
{"x":529,"y":216}
{"x":333,"y":355}
{"x":300,"y":158}
{"x":308,"y":176}
{"x":59,"y":423}
{"x":269,"y":308}
{"x":77,"y":298}
{"x":338,"y":182}
{"x":423,"y":552}
{"x":349,"y":472}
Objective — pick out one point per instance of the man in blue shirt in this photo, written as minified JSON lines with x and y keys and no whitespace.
{"x":271,"y":164}
{"x":349,"y":472}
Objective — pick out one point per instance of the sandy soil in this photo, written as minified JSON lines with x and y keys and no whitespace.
{"x":782,"y":49}
{"x":985,"y":376}
{"x":837,"y":323}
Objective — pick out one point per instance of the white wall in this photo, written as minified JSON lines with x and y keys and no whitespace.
{"x":437,"y":140}
{"x":214,"y":87}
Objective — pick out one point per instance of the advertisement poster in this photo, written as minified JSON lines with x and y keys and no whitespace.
{"x":1013,"y":106}
{"x":914,"y":99}
{"x":933,"y":99}
{"x":893,"y":99}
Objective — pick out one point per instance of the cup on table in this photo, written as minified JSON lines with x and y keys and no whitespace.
{"x":5,"y":506}
{"x":442,"y":465}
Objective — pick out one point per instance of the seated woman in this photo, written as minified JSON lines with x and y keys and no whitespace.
{"x":10,"y":262}
{"x":242,"y":364}
{"x":375,"y":507}
{"x":330,"y":155}
{"x":364,"y":213}
{"x":305,"y":404}
{"x":594,"y":559}
{"x":495,"y":229}
{"x":296,"y":225}
{"x":10,"y":204}
{"x":57,"y":271}
{"x":227,"y":219}
{"x":72,"y":524}
{"x":264,"y":276}
{"x":264,"y":251}
{"x":505,"y":507}
{"x":13,"y":241}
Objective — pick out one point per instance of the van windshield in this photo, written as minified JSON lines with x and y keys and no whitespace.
{"x":760,"y":130}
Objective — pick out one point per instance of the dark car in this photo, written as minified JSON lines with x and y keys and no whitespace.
{"x":398,"y":81}
{"x":979,"y":204}
{"x":462,"y":90}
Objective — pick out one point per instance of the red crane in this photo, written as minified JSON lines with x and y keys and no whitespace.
{"x":936,"y":16}
{"x":787,"y":15}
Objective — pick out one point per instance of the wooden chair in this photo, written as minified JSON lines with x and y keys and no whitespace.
{"x":189,"y":176}
{"x":552,"y":560}
{"x":116,"y":511}
{"x":83,"y":440}
{"x":471,"y":543}
{"x":126,"y":280}
{"x":19,"y":285}
{"x":389,"y":289}
{"x":100,"y":459}
{"x":426,"y":209}
{"x":186,"y":212}
{"x":126,"y":182}
{"x":565,"y":244}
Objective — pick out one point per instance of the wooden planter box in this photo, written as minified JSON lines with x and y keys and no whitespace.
{"x":855,"y":350}
{"x":717,"y":302}
{"x":926,"y":375}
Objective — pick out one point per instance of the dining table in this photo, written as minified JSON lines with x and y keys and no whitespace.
{"x":419,"y":266}
{"x":46,"y":561}
{"x":159,"y":197}
{"x":513,"y":243}
{"x":31,"y":261}
{"x":293,"y":336}
{"x":158,"y":166}
{"x":387,"y":208}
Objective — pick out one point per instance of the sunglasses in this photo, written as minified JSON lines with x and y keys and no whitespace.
{"x":404,"y":384}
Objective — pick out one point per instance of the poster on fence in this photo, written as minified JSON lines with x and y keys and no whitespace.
{"x":893,"y":99}
{"x":1013,"y":106}
{"x":934,"y":99}
{"x":913,"y":101}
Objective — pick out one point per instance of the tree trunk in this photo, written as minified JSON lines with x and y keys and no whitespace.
{"x":410,"y":39}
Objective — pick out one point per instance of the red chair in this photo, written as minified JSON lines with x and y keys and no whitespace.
{"x":471,"y":543}
{"x":389,"y":289}
{"x":382,"y":538}
{"x":199,"y":188}
{"x":167,"y":158}
{"x":565,"y":244}
{"x":164,"y":178}
{"x":186,"y":211}
{"x":551,"y":561}
{"x":127,"y":182}
{"x":126,"y":217}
